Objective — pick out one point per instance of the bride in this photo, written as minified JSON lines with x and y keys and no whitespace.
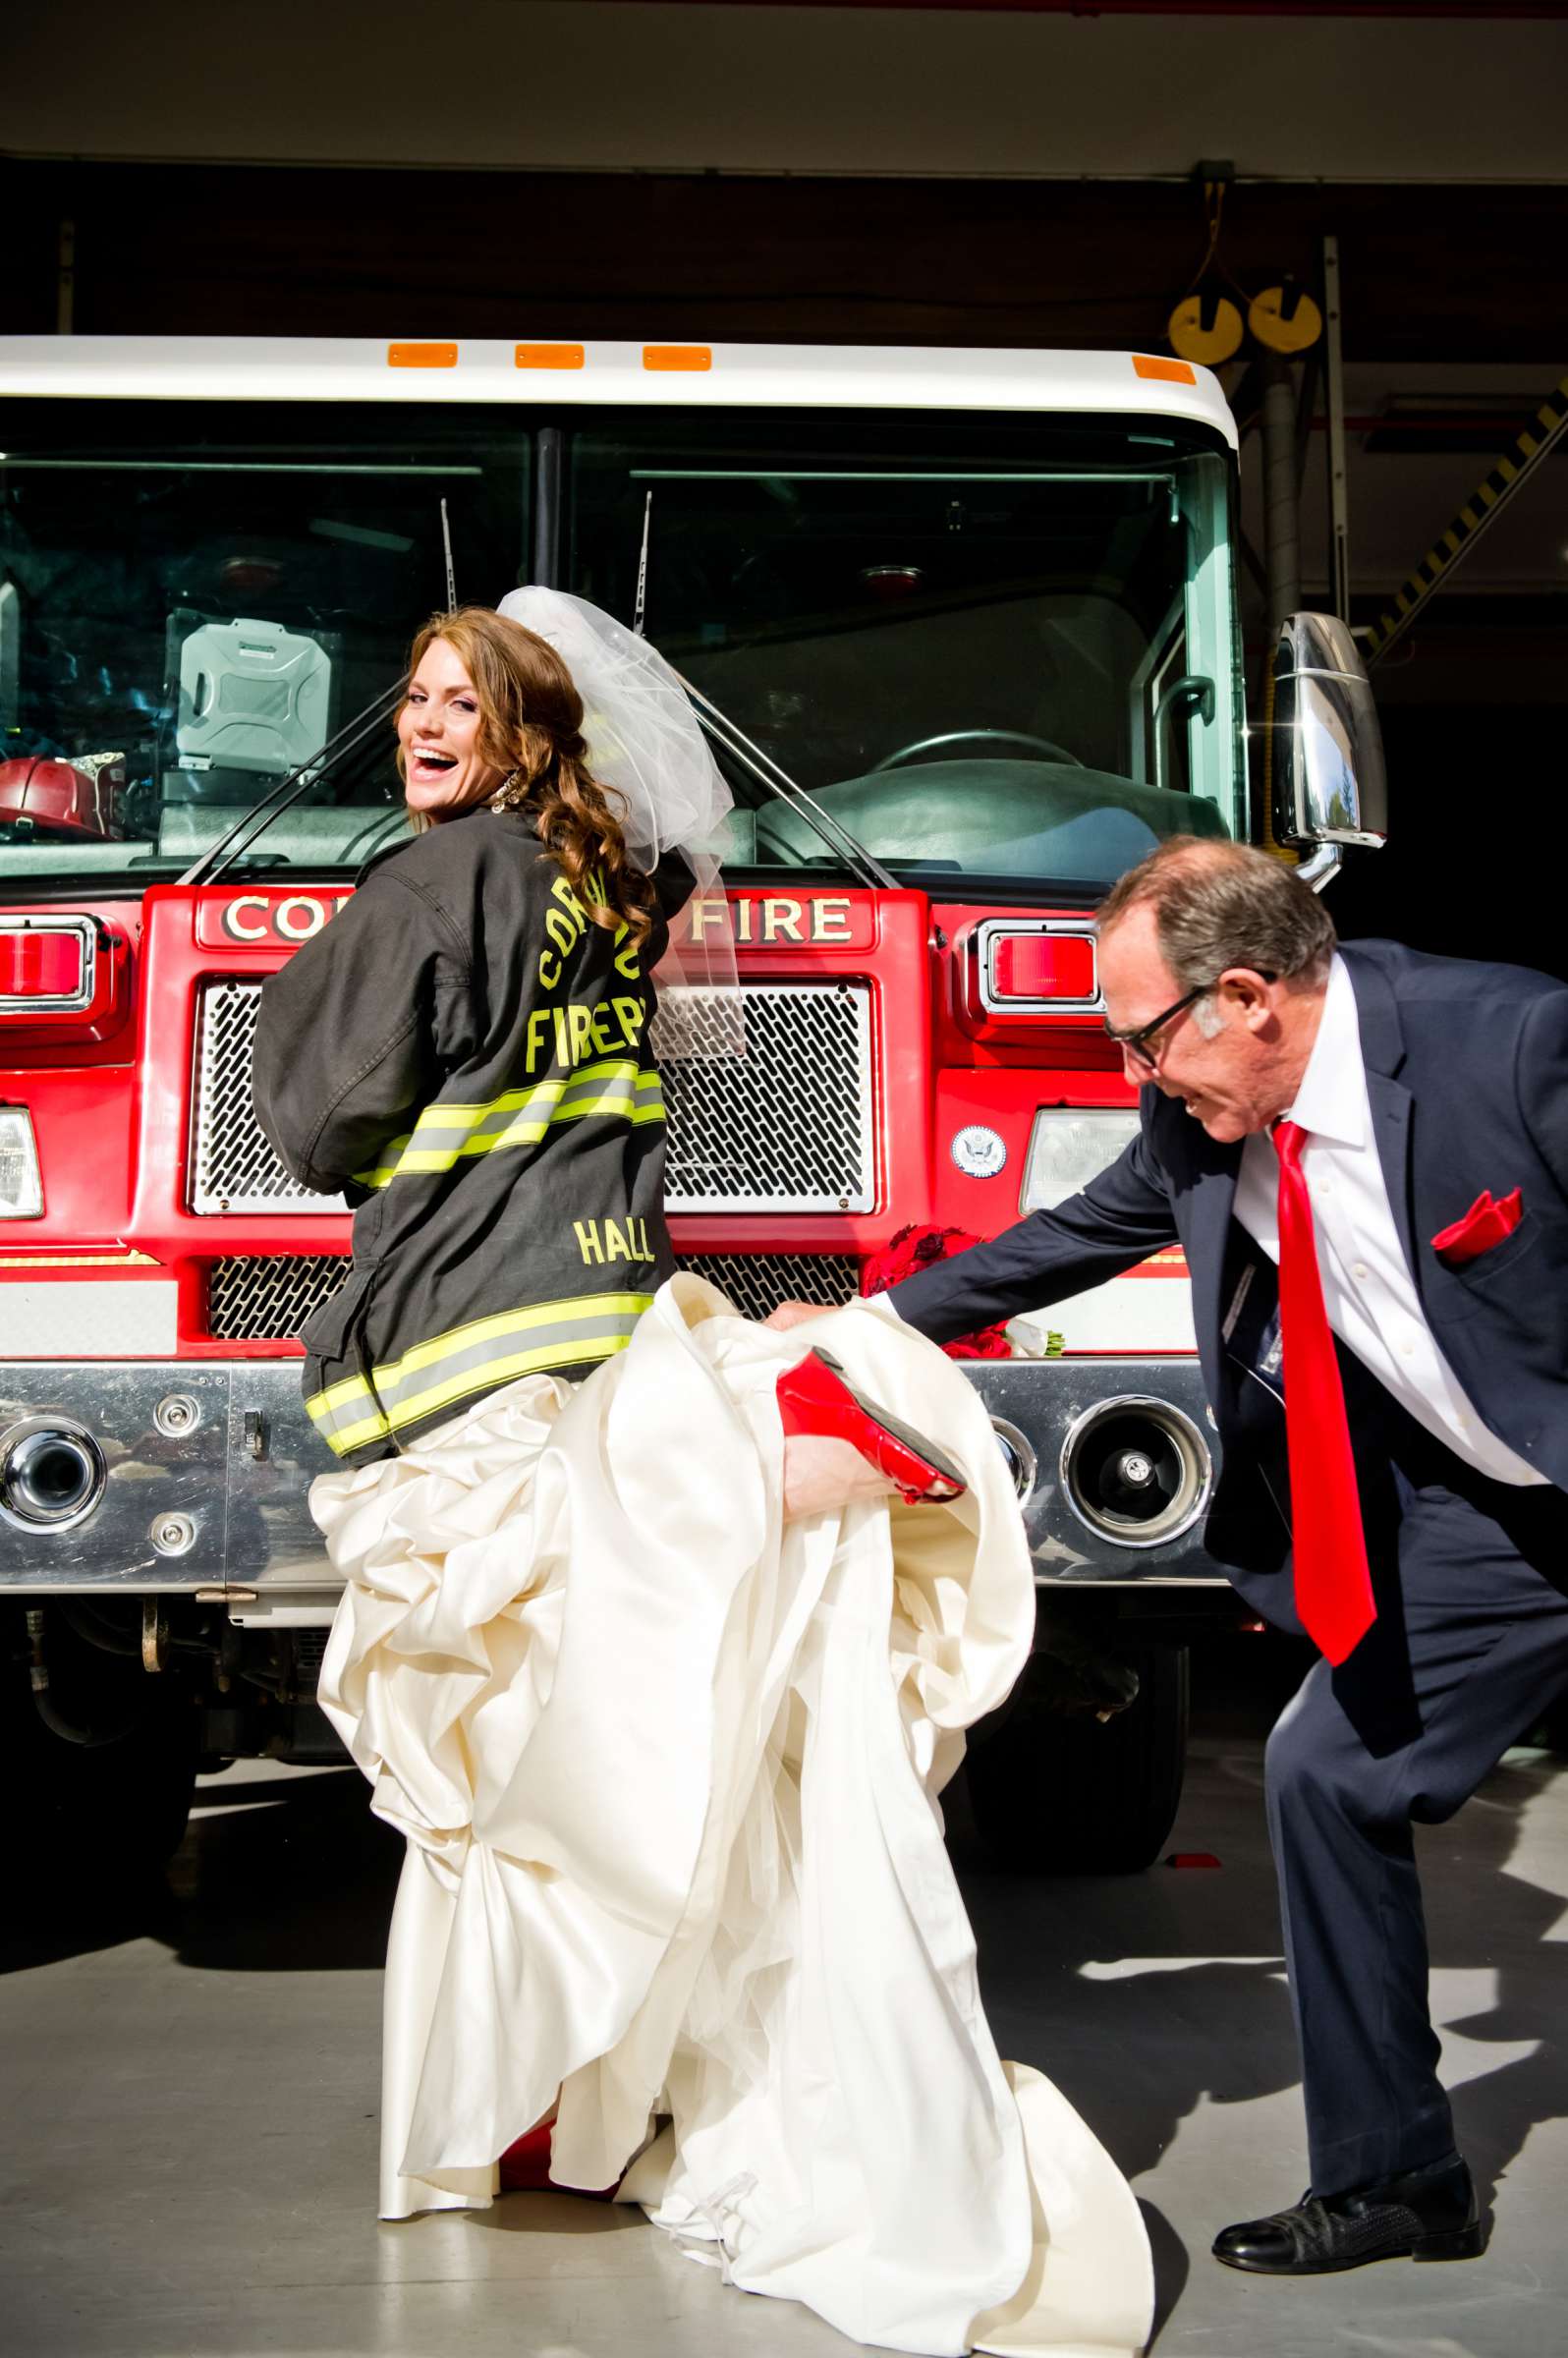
{"x":658,"y":1639}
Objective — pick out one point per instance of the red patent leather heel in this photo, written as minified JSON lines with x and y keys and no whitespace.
{"x":525,"y":2166}
{"x":816,"y":1398}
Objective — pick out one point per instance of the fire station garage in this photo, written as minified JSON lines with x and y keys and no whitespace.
{"x":1030,"y":428}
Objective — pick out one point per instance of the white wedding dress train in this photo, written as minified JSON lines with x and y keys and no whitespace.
{"x":668,"y":1767}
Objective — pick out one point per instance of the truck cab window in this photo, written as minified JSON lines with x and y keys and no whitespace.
{"x":192,"y":604}
{"x":962,"y":635}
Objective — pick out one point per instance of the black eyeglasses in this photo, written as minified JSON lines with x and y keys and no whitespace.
{"x":1136,"y":1043}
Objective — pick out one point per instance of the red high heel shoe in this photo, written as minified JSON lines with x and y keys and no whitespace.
{"x":816,"y":1398}
{"x":525,"y":2166}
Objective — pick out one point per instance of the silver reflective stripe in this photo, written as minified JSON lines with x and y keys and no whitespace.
{"x":445,"y":1135}
{"x":485,"y":1352}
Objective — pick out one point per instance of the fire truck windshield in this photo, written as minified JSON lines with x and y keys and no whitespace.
{"x":1000,"y":646}
{"x":195,"y":598}
{"x":997,"y":647}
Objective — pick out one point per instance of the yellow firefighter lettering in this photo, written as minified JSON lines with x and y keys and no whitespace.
{"x":567,"y":1037}
{"x":601,"y":1241}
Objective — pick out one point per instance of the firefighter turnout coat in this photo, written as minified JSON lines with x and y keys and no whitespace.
{"x":465,"y":1057}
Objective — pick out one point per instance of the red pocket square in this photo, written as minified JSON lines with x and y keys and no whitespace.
{"x":1484,"y":1225}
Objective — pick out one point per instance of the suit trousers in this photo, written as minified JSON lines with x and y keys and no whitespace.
{"x":1470,"y":1646}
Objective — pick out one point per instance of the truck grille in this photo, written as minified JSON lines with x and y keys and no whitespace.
{"x":234,"y":1168}
{"x":267,"y":1297}
{"x":786,"y":1127}
{"x":757,"y":1283}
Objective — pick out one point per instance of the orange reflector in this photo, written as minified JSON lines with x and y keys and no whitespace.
{"x":1191,"y":1858}
{"x":1166,"y":373}
{"x":421,"y":356}
{"x":1042,"y":966}
{"x":677,"y":356}
{"x":39,"y":965}
{"x":548,"y":355}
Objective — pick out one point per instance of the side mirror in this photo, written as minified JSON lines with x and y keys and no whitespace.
{"x":1329,"y":784}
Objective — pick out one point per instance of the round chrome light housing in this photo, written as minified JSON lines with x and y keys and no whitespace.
{"x":1018,"y":1456}
{"x":51,"y":1474}
{"x":1137,"y":1471}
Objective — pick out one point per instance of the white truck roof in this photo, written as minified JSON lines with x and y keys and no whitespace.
{"x":696,"y":375}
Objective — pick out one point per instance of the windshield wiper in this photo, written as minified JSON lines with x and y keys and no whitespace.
{"x":366,"y":723}
{"x":354,"y":733}
{"x":832,"y":831}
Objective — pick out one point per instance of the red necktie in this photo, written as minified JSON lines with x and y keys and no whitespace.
{"x":1334,"y":1586}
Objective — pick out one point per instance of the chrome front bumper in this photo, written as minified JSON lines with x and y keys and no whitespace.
{"x":1051,"y":1406}
{"x":208,"y":1467}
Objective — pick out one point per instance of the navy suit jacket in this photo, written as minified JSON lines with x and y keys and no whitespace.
{"x":1466,"y":1072}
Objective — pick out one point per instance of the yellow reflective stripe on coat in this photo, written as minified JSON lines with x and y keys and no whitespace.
{"x":445,"y":1135}
{"x":477,"y":1356}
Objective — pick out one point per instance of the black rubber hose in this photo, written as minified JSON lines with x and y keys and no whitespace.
{"x":55,"y":1721}
{"x":95,"y":1628}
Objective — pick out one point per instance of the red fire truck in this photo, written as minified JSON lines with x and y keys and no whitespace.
{"x":964,"y":625}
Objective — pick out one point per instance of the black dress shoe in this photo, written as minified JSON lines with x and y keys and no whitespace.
{"x":1427,"y":2215}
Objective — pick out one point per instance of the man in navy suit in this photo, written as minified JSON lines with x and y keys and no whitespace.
{"x":1405,"y":1119}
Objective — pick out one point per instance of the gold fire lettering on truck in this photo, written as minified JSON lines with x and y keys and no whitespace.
{"x":252,"y":917}
{"x":298,"y":916}
{"x":773,"y":918}
{"x":782,"y":917}
{"x":239,"y":927}
{"x":707,"y":916}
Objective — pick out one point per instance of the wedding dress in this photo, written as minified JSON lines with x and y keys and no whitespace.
{"x":668,"y":1766}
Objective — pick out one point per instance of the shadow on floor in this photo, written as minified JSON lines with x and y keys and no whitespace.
{"x":1069,"y":1966}
{"x":281,"y":1874}
{"x":1172,"y":2266}
{"x":292,"y":1872}
{"x":556,"y":2214}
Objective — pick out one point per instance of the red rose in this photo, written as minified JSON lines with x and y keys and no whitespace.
{"x":916,"y":1246}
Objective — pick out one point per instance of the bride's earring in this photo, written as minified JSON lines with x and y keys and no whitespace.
{"x":512,"y":791}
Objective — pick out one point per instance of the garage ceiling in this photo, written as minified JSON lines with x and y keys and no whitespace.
{"x":1395,"y":95}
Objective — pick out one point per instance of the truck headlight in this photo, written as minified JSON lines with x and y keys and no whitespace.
{"x":20,"y":1189}
{"x":1067,"y":1148}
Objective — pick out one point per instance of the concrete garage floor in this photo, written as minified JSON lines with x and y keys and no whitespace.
{"x":188,"y":2140}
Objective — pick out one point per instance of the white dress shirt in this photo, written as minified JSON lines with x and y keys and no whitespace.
{"x":1369,"y":1292}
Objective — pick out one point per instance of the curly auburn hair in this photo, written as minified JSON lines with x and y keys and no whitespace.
{"x":531,"y":729}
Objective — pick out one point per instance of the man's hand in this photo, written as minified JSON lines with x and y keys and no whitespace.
{"x":796,"y":1313}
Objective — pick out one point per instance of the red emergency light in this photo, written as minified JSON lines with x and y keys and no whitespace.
{"x":1040,"y":967}
{"x":43,"y":963}
{"x":62,"y":979}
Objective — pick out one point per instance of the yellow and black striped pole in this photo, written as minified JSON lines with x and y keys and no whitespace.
{"x":1483,"y":506}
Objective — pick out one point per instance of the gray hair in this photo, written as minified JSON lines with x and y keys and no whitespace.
{"x":1218,"y":904}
